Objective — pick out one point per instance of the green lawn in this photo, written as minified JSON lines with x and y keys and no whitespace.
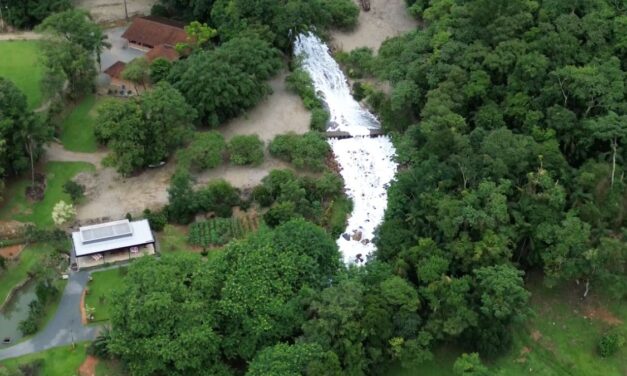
{"x":20,"y":64}
{"x":77,"y":130}
{"x":558,"y":341}
{"x":40,"y":213}
{"x":59,"y":361}
{"x":100,"y":289}
{"x":18,"y":270}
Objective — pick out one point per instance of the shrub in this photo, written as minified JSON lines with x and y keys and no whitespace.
{"x":63,"y":213}
{"x":610,"y":343}
{"x":206,"y":151}
{"x":300,"y":82}
{"x":263,"y":196}
{"x":357,"y":63}
{"x":246,"y":150}
{"x":28,"y":326}
{"x":218,"y":197}
{"x":319,"y":119}
{"x":280,"y":213}
{"x":31,"y":368}
{"x":100,"y":346}
{"x":74,"y":190}
{"x":306,"y":151}
{"x":157,"y":220}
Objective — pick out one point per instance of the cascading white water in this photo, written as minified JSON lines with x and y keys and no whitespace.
{"x":367,"y":164}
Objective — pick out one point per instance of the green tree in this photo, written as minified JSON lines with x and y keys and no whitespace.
{"x":29,"y":13}
{"x":612,"y":128}
{"x":137,"y":71}
{"x":181,"y":203}
{"x":167,"y":298}
{"x":159,"y":69}
{"x":224,"y":82}
{"x":294,"y":360}
{"x":77,"y":27}
{"x":22,"y":134}
{"x":65,"y":60}
{"x":198,"y":36}
{"x":145,"y":130}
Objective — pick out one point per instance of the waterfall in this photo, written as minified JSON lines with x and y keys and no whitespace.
{"x":367,"y":164}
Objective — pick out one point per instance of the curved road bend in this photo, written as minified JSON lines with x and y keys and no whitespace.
{"x":64,"y":328}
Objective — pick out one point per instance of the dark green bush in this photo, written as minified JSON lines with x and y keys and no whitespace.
{"x":246,"y":150}
{"x":343,"y":13}
{"x":218,"y":197}
{"x":358,"y":63}
{"x":610,"y":343}
{"x":157,"y":220}
{"x":263,"y":196}
{"x":319,"y":119}
{"x":280,"y":213}
{"x":74,"y":190}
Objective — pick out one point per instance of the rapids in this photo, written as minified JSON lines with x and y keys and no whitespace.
{"x":367,"y":164}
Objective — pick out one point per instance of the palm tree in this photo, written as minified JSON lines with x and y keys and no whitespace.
{"x":101,"y":45}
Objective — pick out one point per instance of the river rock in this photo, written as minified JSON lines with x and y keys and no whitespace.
{"x":346,"y":236}
{"x":357,"y":235}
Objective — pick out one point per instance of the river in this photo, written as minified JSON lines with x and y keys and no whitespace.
{"x":367,"y":163}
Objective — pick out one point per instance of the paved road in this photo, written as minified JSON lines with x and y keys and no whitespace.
{"x":64,"y":328}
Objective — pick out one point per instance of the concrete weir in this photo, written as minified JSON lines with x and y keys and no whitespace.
{"x":342,"y":135}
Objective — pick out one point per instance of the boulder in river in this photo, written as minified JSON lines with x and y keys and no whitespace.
{"x":357,"y":235}
{"x":346,"y":236}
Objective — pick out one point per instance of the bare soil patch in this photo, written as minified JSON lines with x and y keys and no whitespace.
{"x":11,"y":252}
{"x":88,"y":368}
{"x":602,"y":314}
{"x":112,"y":10}
{"x":386,"y":19}
{"x":281,"y":112}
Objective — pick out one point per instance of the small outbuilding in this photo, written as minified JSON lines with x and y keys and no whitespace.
{"x":112,"y":242}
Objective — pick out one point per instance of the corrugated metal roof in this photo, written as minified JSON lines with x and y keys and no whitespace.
{"x":112,"y":235}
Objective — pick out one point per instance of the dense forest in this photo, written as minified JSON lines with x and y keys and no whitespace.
{"x":510,"y":121}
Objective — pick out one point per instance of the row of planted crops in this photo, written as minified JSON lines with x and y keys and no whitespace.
{"x":219,"y":231}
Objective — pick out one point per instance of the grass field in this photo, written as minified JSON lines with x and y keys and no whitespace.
{"x":59,"y":361}
{"x":20,"y":64}
{"x":77,"y":130}
{"x":560,"y":340}
{"x":172,"y":239}
{"x":18,"y":270}
{"x":100,"y":289}
{"x":40,"y":213}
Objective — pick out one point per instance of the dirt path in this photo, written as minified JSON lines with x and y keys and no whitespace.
{"x":56,"y":153}
{"x":386,"y":19}
{"x":88,"y":368}
{"x":24,"y":35}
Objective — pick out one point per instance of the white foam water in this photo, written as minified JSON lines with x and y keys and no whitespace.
{"x":367,"y":164}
